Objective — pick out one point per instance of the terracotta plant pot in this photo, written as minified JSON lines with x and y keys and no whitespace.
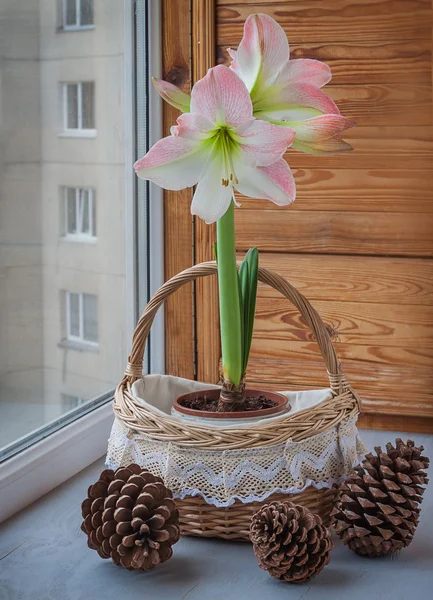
{"x":213,"y":394}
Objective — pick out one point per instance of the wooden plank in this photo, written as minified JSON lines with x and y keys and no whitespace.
{"x":206,"y":290}
{"x":386,"y":390}
{"x":362,"y":62}
{"x":356,"y":190}
{"x":395,"y":423}
{"x":393,"y":148}
{"x":349,"y":322}
{"x":339,"y":20}
{"x":411,"y":354}
{"x":357,"y":279}
{"x":384,"y":104}
{"x":179,"y":337}
{"x":394,"y":234}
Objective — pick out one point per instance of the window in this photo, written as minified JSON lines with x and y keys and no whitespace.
{"x":81,"y":318}
{"x":77,"y":14}
{"x":80,"y":213}
{"x":71,"y":402}
{"x":78,"y":108}
{"x":56,"y":336}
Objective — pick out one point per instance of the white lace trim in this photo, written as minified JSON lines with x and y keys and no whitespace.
{"x":221,"y":477}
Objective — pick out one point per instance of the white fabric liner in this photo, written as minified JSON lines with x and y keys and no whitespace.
{"x":221,"y":477}
{"x":158,"y":392}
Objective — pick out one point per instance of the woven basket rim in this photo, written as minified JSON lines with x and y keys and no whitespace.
{"x":301,"y":425}
{"x":138,"y":418}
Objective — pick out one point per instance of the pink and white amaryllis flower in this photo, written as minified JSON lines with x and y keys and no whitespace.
{"x":287,"y":92}
{"x":222,"y":147}
{"x":283,"y":91}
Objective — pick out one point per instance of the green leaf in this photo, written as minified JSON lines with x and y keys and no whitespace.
{"x":249,"y":296}
{"x":244,"y":290}
{"x":215,"y":249}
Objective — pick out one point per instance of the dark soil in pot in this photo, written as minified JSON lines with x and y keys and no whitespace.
{"x":205,"y":404}
{"x":211,"y":404}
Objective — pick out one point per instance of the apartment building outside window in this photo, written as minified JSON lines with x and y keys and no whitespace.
{"x":68,"y":310}
{"x":77,"y":14}
{"x":80,"y":213}
{"x":79,"y":108}
{"x":82,"y":318}
{"x":70,"y":402}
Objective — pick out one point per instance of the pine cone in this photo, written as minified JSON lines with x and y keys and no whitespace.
{"x":377,"y":510}
{"x":290,"y":542}
{"x":130,"y":516}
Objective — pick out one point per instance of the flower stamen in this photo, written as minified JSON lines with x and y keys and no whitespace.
{"x":226,"y":141}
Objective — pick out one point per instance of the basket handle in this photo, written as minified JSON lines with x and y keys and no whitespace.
{"x":134,"y":368}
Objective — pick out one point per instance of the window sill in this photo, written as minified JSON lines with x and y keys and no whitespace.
{"x":79,"y":133}
{"x":71,"y":28}
{"x":78,"y":346}
{"x":43,"y":466}
{"x":79,"y":239}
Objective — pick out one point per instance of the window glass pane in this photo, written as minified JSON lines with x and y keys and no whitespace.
{"x":74,"y":314}
{"x":44,"y":158}
{"x":71,"y":106}
{"x":70,"y":12}
{"x":71,"y":211}
{"x":85,"y":208}
{"x":93,"y":210}
{"x":69,"y":402}
{"x":88,"y":92}
{"x":90,"y":318}
{"x":86,"y":12}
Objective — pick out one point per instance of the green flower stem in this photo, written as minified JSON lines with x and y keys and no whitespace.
{"x":230,"y":310}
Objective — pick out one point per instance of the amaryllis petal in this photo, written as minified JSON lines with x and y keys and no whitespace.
{"x":234,"y":65}
{"x":294,"y":102}
{"x":211,"y":199}
{"x":322,"y":135}
{"x":172,"y":94}
{"x":274,"y":183}
{"x":322,"y":147}
{"x":222,"y":97}
{"x":174,"y":163}
{"x":263,"y":141}
{"x":262,"y":52}
{"x":193,"y":127}
{"x":305,"y":70}
{"x":322,"y":127}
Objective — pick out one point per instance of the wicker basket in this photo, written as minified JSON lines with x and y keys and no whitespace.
{"x":232,"y":522}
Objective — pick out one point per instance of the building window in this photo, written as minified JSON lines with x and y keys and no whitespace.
{"x":81,"y":318}
{"x":69,"y":402}
{"x":77,"y":14}
{"x":80,"y":213}
{"x":79,"y":107}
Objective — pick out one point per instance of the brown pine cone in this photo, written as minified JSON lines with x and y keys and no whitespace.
{"x":290,"y":542}
{"x":377,"y":510}
{"x":130,"y":516}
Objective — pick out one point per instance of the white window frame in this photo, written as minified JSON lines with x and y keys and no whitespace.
{"x":80,"y":131}
{"x":79,"y":235}
{"x":78,"y":339}
{"x":59,"y":455}
{"x":77,"y":26}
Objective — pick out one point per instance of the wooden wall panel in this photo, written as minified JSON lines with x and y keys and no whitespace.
{"x":354,"y":190}
{"x":332,"y":21}
{"x":358,"y":241}
{"x":396,"y":234}
{"x":366,"y":63}
{"x":208,"y":349}
{"x":180,"y":349}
